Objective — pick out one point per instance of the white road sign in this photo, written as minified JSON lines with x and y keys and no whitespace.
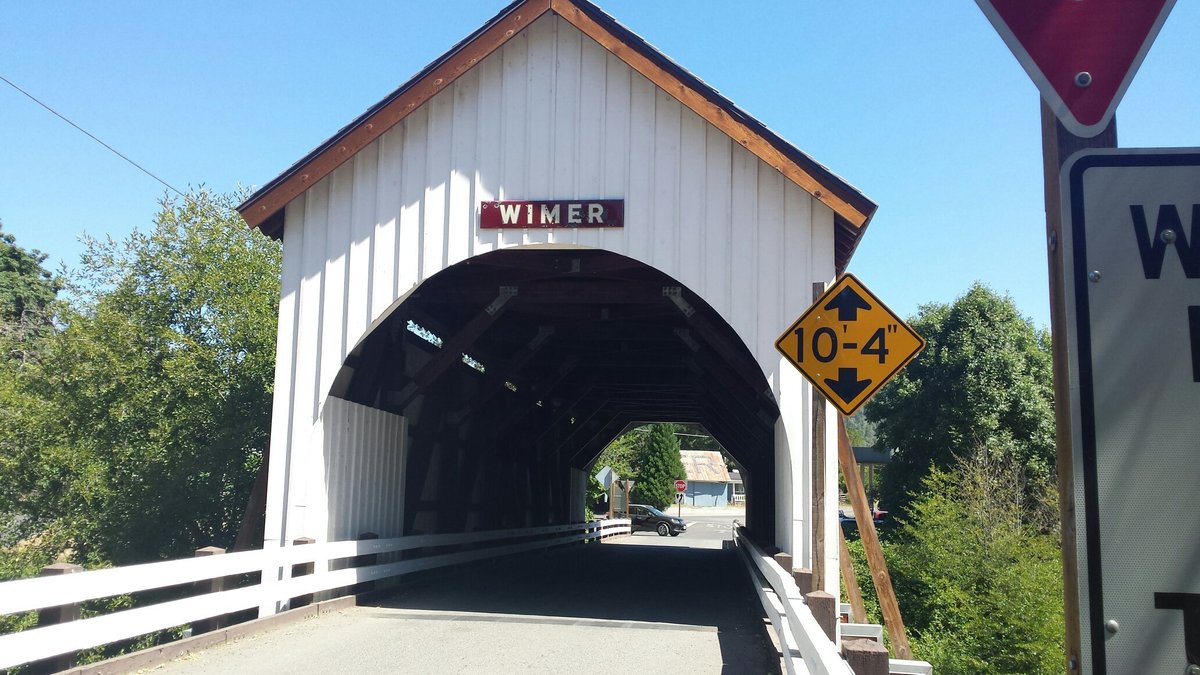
{"x":1132,"y":261}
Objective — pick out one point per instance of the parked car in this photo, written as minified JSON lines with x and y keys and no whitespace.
{"x":648,"y":518}
{"x":849,"y":524}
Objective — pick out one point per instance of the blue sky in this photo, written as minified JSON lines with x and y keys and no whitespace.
{"x":919,"y":104}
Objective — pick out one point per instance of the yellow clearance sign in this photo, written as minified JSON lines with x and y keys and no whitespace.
{"x":849,"y":344}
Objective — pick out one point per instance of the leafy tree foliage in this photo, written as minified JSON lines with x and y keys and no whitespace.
{"x":27,"y":291}
{"x":984,"y":380}
{"x":860,"y":431}
{"x":141,"y":428}
{"x":977,"y":569}
{"x":658,"y":467}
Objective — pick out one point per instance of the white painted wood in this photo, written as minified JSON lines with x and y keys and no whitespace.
{"x":386,"y":222}
{"x":435,"y":220}
{"x":461,"y":207}
{"x":589,"y":157}
{"x":363,"y":220}
{"x":782,"y":602}
{"x":618,"y":102}
{"x":717,"y":283}
{"x":489,"y":148}
{"x":866,"y":631}
{"x":909,"y":667}
{"x":364,"y":450}
{"x":564,"y":146}
{"x":409,"y":251}
{"x":549,"y":115}
{"x":285,"y":364}
{"x":691,"y":197}
{"x":31,"y":594}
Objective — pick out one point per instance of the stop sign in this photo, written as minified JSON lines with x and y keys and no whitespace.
{"x":680,"y":485}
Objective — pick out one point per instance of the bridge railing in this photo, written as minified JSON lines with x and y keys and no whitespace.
{"x":805,"y":645}
{"x":278,"y":585}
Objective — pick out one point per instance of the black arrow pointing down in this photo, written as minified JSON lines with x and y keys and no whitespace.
{"x":847,"y":386}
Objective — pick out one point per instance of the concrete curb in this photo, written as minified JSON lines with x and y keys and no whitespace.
{"x":154,"y":656}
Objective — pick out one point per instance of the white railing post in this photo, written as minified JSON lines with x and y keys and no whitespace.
{"x":215,"y":585}
{"x":301,"y":570}
{"x":49,"y":616}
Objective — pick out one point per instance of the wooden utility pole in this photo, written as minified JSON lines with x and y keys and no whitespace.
{"x":1058,"y":145}
{"x":866,"y":529}
{"x":818,"y":474}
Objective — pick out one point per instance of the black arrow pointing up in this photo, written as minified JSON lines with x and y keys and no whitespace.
{"x":847,"y":386}
{"x":847,"y":303}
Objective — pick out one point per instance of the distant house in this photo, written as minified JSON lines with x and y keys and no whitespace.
{"x":709,"y":483}
{"x":870,"y":460}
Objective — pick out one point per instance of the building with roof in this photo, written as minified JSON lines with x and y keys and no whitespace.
{"x":708,"y":479}
{"x":550,"y":233}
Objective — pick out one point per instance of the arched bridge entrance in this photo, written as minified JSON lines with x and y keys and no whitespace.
{"x":515,"y":368}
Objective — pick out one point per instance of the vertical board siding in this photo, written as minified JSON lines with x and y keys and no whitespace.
{"x":551,"y":115}
{"x":386,"y":219}
{"x":364,"y":451}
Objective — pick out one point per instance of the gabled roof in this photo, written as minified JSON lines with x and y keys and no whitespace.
{"x":704,"y":466}
{"x":852,"y":209}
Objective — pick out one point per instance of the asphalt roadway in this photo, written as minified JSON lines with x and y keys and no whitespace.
{"x":639,"y":603}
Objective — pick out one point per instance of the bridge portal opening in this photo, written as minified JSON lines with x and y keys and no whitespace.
{"x":514,"y":369}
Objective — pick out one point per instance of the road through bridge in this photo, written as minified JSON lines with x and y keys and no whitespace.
{"x":638,"y":603}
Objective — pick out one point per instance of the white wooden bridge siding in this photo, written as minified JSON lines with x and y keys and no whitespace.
{"x":550,"y":115}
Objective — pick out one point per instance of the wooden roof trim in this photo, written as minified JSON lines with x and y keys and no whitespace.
{"x":271,"y":199}
{"x":717,"y":115}
{"x":852,"y":209}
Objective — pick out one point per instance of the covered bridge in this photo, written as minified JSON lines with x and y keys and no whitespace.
{"x":550,"y":233}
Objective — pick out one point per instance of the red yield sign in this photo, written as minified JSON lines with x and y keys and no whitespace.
{"x":1081,"y":55}
{"x":680,"y":485}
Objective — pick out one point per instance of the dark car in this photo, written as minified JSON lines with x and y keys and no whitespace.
{"x":849,"y":524}
{"x":648,"y":518}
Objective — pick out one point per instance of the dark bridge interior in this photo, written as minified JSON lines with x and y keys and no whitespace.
{"x":564,"y":349}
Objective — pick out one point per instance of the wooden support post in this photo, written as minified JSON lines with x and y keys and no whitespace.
{"x":824,"y":608}
{"x":858,"y":609}
{"x":300,"y":570}
{"x":210,"y":586}
{"x":1058,"y":144}
{"x":870,"y":539}
{"x":49,"y":616}
{"x":804,"y":580}
{"x":866,"y":657}
{"x":818,"y":474}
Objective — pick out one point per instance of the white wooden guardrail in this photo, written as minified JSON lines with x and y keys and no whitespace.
{"x":276,"y":564}
{"x":806,"y":648}
{"x":805,"y":645}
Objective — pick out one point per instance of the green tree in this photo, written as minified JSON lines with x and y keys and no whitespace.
{"x":658,"y":467}
{"x":977,"y":569}
{"x":147,"y":416}
{"x":984,"y":380}
{"x":27,"y":293}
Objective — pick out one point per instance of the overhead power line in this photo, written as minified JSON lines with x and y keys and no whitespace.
{"x":110,"y":148}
